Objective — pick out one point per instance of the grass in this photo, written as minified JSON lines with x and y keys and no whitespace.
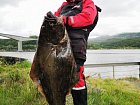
{"x":16,"y":88}
{"x":113,"y":92}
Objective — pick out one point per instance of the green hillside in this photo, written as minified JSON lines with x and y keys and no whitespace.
{"x":120,"y":41}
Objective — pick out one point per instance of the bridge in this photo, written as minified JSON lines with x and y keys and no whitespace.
{"x":20,"y":39}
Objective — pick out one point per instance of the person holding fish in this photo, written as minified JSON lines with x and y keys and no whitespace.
{"x":80,"y":17}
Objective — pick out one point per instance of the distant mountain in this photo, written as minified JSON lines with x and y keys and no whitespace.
{"x":128,"y":35}
{"x":123,"y":40}
{"x":118,"y":36}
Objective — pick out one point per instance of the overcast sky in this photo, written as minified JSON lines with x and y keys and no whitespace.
{"x":24,"y":17}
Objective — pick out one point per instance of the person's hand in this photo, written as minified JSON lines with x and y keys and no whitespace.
{"x":60,"y":19}
{"x":63,"y":18}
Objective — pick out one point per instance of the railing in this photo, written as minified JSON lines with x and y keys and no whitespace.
{"x":113,"y":65}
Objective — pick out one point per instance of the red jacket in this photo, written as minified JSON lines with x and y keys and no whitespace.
{"x":85,"y":18}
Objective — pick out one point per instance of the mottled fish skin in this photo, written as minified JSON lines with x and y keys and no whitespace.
{"x":54,"y":69}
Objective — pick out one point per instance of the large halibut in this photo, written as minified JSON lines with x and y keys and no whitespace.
{"x":54,"y":69}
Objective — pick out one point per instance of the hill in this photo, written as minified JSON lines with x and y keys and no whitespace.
{"x":120,"y":41}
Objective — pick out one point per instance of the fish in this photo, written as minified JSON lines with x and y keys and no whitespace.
{"x":54,"y":70}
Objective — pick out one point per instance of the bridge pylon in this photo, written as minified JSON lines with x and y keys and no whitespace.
{"x":20,"y":46}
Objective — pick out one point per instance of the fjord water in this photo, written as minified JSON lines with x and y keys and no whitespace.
{"x":113,"y":56}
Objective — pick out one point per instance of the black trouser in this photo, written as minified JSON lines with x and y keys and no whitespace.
{"x":79,"y":96}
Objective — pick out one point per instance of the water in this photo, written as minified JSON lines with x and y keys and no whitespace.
{"x":100,"y":57}
{"x":113,"y":56}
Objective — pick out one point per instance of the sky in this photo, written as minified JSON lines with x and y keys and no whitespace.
{"x":24,"y":17}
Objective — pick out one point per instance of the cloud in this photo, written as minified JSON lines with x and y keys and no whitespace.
{"x":116,"y":8}
{"x":118,"y":16}
{"x":24,"y":17}
{"x":9,"y":2}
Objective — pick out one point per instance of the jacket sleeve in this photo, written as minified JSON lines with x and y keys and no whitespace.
{"x":57,"y":13}
{"x":85,"y":18}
